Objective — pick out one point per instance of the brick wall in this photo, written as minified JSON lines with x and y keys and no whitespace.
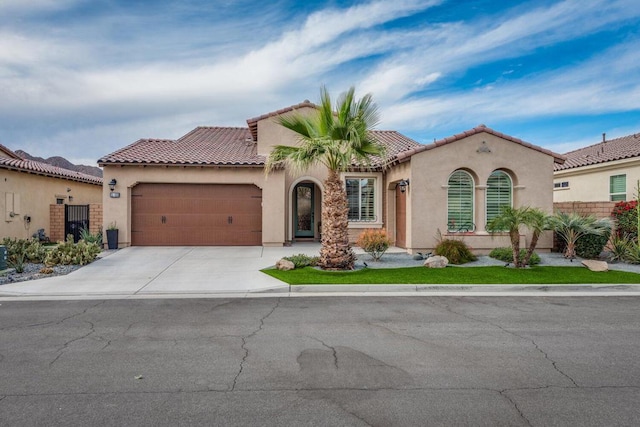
{"x":95,"y":218}
{"x":598,"y":209}
{"x":56,"y":223}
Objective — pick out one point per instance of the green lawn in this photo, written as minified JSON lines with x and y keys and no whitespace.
{"x":453,"y":275}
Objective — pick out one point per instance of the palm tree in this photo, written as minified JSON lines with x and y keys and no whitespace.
{"x":338,"y":140}
{"x":510,"y":220}
{"x":537,"y":222}
{"x":570,"y":227}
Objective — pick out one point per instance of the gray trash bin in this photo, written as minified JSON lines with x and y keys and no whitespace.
{"x":3,"y":257}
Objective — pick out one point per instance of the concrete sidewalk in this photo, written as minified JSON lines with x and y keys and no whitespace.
{"x":222,"y":272}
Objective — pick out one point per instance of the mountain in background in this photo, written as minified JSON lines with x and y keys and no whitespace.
{"x":61,"y":162}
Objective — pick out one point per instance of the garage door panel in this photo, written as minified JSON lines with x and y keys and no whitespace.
{"x":196,"y":214}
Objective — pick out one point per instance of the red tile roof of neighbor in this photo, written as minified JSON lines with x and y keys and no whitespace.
{"x":29,"y":166}
{"x":615,"y":149}
{"x":403,"y":156}
{"x":9,"y":153}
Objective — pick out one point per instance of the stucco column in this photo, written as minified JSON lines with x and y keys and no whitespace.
{"x":481,"y":208}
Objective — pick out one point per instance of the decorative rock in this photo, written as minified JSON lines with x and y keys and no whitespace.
{"x":285,"y":265}
{"x":417,"y":257}
{"x":594,"y":265}
{"x":436,"y":261}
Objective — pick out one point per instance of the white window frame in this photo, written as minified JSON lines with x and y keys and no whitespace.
{"x":612,"y":195}
{"x":486,"y":196}
{"x":473,"y":200}
{"x":377,"y":198}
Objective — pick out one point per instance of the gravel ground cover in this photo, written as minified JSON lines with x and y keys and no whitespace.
{"x":396,"y":260}
{"x":32,"y":272}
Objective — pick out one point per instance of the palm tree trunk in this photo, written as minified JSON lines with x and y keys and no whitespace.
{"x":515,"y":246}
{"x":335,"y":253}
{"x":532,"y":247}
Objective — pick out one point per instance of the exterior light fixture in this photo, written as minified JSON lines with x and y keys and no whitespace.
{"x":403,"y":185}
{"x":112,"y":184}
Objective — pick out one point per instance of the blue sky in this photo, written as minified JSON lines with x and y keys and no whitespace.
{"x":82,"y":78}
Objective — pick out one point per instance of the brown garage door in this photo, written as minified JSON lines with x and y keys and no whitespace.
{"x":196,"y":215}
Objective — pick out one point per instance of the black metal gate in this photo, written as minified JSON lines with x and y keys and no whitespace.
{"x":76,"y":218}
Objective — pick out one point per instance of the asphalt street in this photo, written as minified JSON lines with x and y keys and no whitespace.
{"x":322,"y":361}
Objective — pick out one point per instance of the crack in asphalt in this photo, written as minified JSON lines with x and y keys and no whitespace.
{"x":335,"y":353}
{"x":62,"y":349}
{"x":54,"y":322}
{"x":244,"y":343}
{"x":531,"y":340}
{"x":376,"y":325}
{"x":515,"y":405}
{"x":305,"y":389}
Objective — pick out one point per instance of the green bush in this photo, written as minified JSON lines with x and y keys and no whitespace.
{"x":456,"y":251}
{"x":302,"y":260}
{"x":506,"y":255}
{"x":591,"y":245}
{"x":619,"y":247}
{"x":91,"y":238}
{"x":633,"y":253}
{"x":375,"y":242}
{"x":20,"y":251}
{"x":69,"y":253}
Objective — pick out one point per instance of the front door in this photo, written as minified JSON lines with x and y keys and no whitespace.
{"x":303,"y":210}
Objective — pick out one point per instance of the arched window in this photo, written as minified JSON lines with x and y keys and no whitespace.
{"x":460,"y":202}
{"x":499,"y":193}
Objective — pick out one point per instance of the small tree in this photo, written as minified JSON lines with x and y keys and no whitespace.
{"x":570,"y":227}
{"x":511,"y":220}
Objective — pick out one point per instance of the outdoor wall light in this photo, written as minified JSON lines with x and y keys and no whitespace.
{"x":112,"y":184}
{"x":403,"y":185}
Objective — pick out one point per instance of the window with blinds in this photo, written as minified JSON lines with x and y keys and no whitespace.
{"x":618,"y":188}
{"x":460,"y":202}
{"x":361,"y":199}
{"x":499,"y":193}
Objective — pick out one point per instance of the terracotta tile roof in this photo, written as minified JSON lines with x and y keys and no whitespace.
{"x":39,"y":168}
{"x":557,"y":158}
{"x":615,"y":149}
{"x":253,"y":123}
{"x":10,"y":154}
{"x":395,"y":142}
{"x":202,"y":146}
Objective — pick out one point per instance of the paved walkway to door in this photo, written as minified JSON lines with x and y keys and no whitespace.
{"x":168,"y":270}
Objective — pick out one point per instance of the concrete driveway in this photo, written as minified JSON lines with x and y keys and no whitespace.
{"x":168,"y":270}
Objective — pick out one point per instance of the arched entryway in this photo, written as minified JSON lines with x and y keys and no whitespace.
{"x":305,"y":208}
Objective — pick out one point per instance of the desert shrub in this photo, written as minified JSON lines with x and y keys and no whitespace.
{"x":302,"y":260}
{"x":619,"y":248}
{"x":506,"y":255}
{"x":69,"y":253}
{"x":626,"y":217}
{"x":91,"y":238}
{"x":456,"y":251}
{"x":633,"y":253}
{"x":591,"y":245}
{"x":20,"y":251}
{"x":375,"y":242}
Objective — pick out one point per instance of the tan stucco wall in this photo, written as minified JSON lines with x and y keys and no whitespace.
{"x":591,"y":183}
{"x":118,"y":210}
{"x":530,"y":170}
{"x":35,"y":194}
{"x":270,"y":133}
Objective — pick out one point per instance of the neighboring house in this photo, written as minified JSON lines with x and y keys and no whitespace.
{"x":209,"y":188}
{"x":29,"y":187}
{"x":607,"y":171}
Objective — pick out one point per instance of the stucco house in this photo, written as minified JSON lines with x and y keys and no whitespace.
{"x":29,"y":188}
{"x":209,"y":188}
{"x":606,"y":171}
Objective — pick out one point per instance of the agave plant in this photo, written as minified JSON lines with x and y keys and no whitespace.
{"x":571,"y":226}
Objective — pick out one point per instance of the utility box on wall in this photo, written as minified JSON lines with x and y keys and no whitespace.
{"x":11,"y":206}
